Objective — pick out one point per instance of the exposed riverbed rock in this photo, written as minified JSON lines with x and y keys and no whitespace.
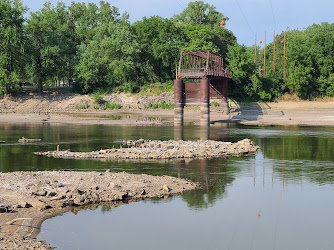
{"x":16,"y":241}
{"x":155,"y":149}
{"x":28,"y":198}
{"x":53,"y":189}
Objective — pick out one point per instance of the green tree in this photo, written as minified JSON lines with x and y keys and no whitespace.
{"x":199,"y":37}
{"x":243,"y":67}
{"x":44,"y":44}
{"x":86,"y":69}
{"x":200,"y":13}
{"x":159,"y":40}
{"x":11,"y":44}
{"x":108,"y":58}
{"x":199,"y":23}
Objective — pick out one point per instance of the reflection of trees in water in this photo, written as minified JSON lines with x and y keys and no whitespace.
{"x":213,"y":177}
{"x":298,"y":158}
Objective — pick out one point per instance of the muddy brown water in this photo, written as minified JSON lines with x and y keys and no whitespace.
{"x":281,"y":198}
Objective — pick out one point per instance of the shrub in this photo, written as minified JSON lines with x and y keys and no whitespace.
{"x":97,"y":98}
{"x":330,"y":90}
{"x":157,"y":88}
{"x":83,"y":106}
{"x":108,"y":105}
{"x":162,"y":105}
{"x":215,"y":104}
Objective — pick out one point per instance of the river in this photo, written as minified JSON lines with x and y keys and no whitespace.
{"x":280,"y":198}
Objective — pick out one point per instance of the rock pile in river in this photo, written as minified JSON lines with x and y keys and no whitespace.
{"x":155,"y":149}
{"x":53,"y":189}
{"x":28,"y":198}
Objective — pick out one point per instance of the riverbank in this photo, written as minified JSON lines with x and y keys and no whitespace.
{"x":52,"y":109}
{"x":64,"y":108}
{"x":32,"y":197}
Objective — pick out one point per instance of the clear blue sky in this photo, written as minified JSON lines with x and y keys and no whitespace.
{"x":246,"y":16}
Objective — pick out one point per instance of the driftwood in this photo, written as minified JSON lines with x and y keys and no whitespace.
{"x":17,"y":219}
{"x":29,"y":140}
{"x":2,"y":142}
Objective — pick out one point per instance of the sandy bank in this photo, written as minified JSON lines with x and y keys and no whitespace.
{"x":306,"y":114}
{"x":59,"y":107}
{"x":32,"y":197}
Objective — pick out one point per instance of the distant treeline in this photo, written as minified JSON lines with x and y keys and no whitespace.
{"x":96,"y":47}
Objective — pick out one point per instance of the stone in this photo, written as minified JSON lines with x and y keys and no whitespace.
{"x":118,"y":195}
{"x":4,"y":208}
{"x":52,"y":194}
{"x":166,"y":188}
{"x":78,"y":191}
{"x":40,"y":192}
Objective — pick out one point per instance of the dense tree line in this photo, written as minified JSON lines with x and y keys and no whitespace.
{"x":96,"y":46}
{"x":309,"y":65}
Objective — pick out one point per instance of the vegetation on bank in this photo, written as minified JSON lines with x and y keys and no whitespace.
{"x":96,"y":49}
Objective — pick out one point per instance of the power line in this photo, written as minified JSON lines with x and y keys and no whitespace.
{"x":179,"y":4}
{"x":272,"y":11}
{"x":244,"y":16}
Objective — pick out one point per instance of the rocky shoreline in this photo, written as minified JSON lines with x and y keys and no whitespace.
{"x":32,"y":197}
{"x":155,"y":150}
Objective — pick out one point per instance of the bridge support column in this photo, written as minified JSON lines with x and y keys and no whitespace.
{"x":179,"y":102}
{"x":205,"y":104}
{"x":178,"y":133}
{"x":205,"y":132}
{"x":225,"y":99}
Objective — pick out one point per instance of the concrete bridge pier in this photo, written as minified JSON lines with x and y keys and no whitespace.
{"x":205,"y":132}
{"x":178,"y":132}
{"x":179,"y":102}
{"x":225,"y":104}
{"x":205,"y":101}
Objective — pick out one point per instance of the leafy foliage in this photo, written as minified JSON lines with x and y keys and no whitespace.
{"x":200,"y":13}
{"x":109,"y":105}
{"x":96,"y":47}
{"x":11,"y":43}
{"x":162,"y":105}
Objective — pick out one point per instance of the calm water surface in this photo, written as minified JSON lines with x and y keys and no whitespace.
{"x":281,"y":198}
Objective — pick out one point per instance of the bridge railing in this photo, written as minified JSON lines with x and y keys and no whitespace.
{"x":202,"y":64}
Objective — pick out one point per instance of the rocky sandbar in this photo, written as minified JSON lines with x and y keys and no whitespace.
{"x":155,"y":149}
{"x":28,"y":198}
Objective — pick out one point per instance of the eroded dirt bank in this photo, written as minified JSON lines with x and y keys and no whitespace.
{"x":59,"y":107}
{"x":28,"y":198}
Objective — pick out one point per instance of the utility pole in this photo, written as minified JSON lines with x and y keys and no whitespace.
{"x":264,"y":59}
{"x":255,"y":52}
{"x":284,"y":56}
{"x":274,"y":54}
